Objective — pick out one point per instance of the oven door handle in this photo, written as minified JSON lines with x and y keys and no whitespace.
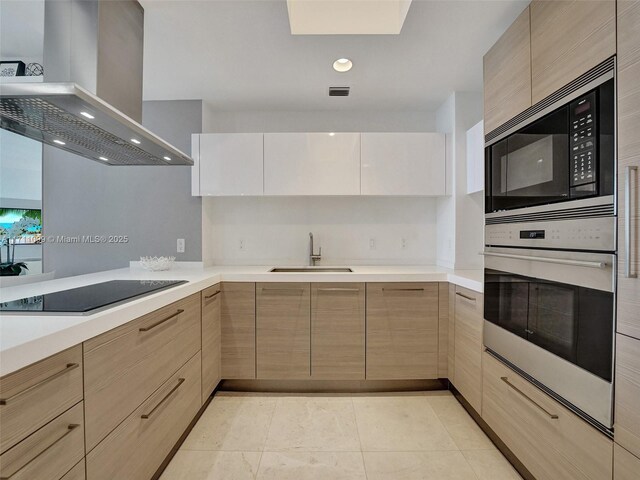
{"x":627,"y":221}
{"x":561,"y":261}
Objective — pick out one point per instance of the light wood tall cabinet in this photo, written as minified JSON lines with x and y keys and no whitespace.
{"x":627,"y":397}
{"x":238,"y":319}
{"x":629,"y":167}
{"x":338,"y":331}
{"x":211,"y":334}
{"x":568,"y":37}
{"x":625,"y":465}
{"x":469,"y":317}
{"x":402,"y":331}
{"x":507,"y":74}
{"x":283,"y":330}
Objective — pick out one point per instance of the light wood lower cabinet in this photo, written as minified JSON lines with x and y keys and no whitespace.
{"x":211,"y":334}
{"x":451,"y":331}
{"x":551,"y":441}
{"x":443,"y":329}
{"x":137,"y":447}
{"x":35,"y":395}
{"x":468,"y":315}
{"x":402,"y":331}
{"x":50,"y":452}
{"x":125,"y":365}
{"x":626,"y":466}
{"x":283,"y":331}
{"x":627,"y":397}
{"x":338,"y":331}
{"x":238,"y":319}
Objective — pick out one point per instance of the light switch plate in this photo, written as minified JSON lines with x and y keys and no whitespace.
{"x":180,"y":245}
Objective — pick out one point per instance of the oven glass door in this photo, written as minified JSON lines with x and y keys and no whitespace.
{"x":572,"y":322}
{"x":531,"y":167}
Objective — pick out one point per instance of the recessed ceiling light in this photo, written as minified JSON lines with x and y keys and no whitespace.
{"x":168,"y":159}
{"x":104,"y":159}
{"x":88,"y":115}
{"x":136,"y":141}
{"x":59,"y":142}
{"x":342,"y":65}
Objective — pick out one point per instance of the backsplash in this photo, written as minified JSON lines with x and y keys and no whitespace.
{"x":350,"y":230}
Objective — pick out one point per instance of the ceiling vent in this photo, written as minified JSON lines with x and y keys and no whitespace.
{"x":338,"y":91}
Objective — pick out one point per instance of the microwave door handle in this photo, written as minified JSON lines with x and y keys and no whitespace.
{"x":561,"y":261}
{"x":627,"y":221}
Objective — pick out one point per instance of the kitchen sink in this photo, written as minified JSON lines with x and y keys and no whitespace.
{"x":311,"y":269}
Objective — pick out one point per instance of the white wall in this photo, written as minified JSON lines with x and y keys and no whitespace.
{"x":22,"y":30}
{"x":275,"y":230}
{"x":21,"y":171}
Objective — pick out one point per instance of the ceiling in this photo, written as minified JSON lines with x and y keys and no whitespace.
{"x":239,"y":55}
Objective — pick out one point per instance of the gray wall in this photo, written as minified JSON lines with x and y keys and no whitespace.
{"x":153,"y":206}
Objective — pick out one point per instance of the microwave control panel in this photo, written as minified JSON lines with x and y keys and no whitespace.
{"x":583,"y":140}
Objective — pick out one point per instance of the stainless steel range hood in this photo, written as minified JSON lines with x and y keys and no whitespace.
{"x":97,"y":44}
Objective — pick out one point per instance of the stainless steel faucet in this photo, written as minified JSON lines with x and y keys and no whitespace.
{"x":314,"y":257}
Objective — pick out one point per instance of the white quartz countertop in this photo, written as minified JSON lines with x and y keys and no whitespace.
{"x":27,"y":338}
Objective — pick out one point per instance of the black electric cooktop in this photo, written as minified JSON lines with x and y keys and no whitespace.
{"x":87,"y":299}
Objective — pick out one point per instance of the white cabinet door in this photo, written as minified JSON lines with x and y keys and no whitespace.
{"x":231,"y":164}
{"x":475,"y":158}
{"x":403,"y":164}
{"x":312,"y":164}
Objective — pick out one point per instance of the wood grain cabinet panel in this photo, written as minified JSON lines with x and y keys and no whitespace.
{"x":627,"y":397}
{"x":338,"y":331}
{"x":125,"y":365}
{"x":507,"y":74}
{"x":76,"y":473}
{"x":36,"y":394}
{"x":137,"y":447}
{"x":468,"y":345}
{"x":50,"y":452}
{"x":568,"y":37}
{"x":629,"y":158}
{"x":238,"y":319}
{"x":626,"y":466}
{"x":211,"y":334}
{"x":283,"y":331}
{"x":402,"y":331}
{"x":551,"y":441}
{"x":443,"y":329}
{"x":451,"y":332}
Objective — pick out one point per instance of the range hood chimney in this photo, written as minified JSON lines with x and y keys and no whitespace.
{"x":91,"y":100}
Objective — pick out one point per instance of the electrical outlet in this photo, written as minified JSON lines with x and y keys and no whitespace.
{"x":372,"y":244}
{"x":241,"y":244}
{"x":403,"y":243}
{"x":180,"y":245}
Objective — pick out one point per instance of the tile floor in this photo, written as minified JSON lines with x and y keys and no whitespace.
{"x":414,"y":436}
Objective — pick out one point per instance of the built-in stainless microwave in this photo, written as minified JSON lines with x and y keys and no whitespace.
{"x":564,"y":153}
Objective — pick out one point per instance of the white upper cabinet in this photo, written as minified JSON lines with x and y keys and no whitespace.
{"x":229,"y":164}
{"x":312,"y":164}
{"x":403,"y":164}
{"x":475,"y":158}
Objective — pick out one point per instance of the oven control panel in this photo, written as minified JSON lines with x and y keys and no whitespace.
{"x":583,"y":140}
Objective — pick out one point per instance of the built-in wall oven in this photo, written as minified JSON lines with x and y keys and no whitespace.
{"x":550,"y":246}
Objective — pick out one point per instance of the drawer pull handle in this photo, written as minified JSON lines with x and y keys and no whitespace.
{"x":466,"y":297}
{"x":70,"y":428}
{"x":550,"y":415}
{"x":282,"y":290}
{"x":150,"y":327}
{"x":403,"y":289}
{"x":338,"y":289}
{"x":164,"y":399}
{"x":68,"y":368}
{"x":207,"y":297}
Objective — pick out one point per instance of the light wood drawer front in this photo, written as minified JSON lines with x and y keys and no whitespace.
{"x":37,"y":394}
{"x":211,"y":333}
{"x":283,"y":330}
{"x":402,"y":331}
{"x":468,"y":345}
{"x":551,"y":441}
{"x":627,"y":398}
{"x":137,"y":447}
{"x":568,"y":37}
{"x":76,"y":473}
{"x":626,"y":466}
{"x":238,"y":318}
{"x":124,"y":366}
{"x":50,"y":452}
{"x":337,"y":331}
